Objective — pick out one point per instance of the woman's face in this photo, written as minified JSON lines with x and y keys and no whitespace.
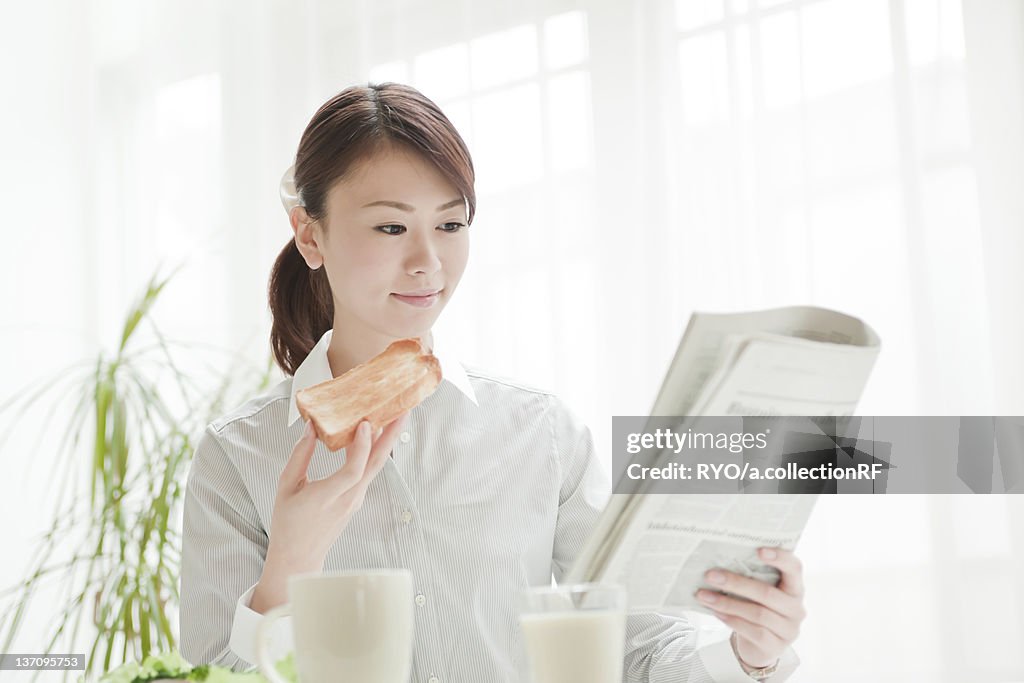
{"x":395,"y":247}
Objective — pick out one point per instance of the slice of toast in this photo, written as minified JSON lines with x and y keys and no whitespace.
{"x":379,"y":390}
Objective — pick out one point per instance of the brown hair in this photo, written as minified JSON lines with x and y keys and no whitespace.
{"x":348,"y":128}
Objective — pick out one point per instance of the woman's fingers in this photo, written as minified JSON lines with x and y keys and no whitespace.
{"x":784,"y":627}
{"x":762,"y":637}
{"x":755,"y":591}
{"x":789,"y":566}
{"x":382,"y":448}
{"x":765,"y":618}
{"x":350,"y":498}
{"x":295,"y":469}
{"x":365,"y":456}
{"x":356,"y":455}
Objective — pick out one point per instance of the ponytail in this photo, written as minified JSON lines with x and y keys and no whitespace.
{"x":301,"y":305}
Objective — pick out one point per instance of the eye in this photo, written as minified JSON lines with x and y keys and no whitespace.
{"x":393,"y":229}
{"x":452,"y":227}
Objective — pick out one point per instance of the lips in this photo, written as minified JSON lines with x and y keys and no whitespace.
{"x":422,"y":298}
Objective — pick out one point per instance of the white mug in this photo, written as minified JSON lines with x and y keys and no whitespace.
{"x":346,"y":626}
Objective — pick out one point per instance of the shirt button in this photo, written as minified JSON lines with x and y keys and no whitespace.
{"x":404,"y":437}
{"x":421,"y":599}
{"x":433,"y":679}
{"x":406,"y":516}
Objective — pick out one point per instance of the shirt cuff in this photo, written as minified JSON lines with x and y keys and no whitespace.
{"x":719,"y":660}
{"x":243,"y":632}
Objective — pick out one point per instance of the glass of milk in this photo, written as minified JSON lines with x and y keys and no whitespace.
{"x":574,"y":633}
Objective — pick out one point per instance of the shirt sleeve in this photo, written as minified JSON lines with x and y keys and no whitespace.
{"x":223,"y":550}
{"x":659,"y":648}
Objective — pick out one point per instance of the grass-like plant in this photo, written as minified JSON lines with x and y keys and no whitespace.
{"x":113,"y":546}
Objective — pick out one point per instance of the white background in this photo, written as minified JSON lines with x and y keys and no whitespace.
{"x":636,"y":161}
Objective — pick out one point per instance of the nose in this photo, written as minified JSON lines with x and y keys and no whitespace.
{"x":422,"y":257}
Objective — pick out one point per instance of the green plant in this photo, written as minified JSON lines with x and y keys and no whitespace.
{"x":133,"y":423}
{"x":167,"y":666}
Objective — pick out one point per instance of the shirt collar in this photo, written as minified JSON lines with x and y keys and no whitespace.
{"x":316,"y":369}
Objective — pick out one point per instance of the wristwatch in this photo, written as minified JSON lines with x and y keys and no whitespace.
{"x":763,"y":673}
{"x":755,"y":673}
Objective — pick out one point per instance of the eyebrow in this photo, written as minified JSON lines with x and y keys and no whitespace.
{"x":410,"y":209}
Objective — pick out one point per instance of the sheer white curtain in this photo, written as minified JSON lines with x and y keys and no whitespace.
{"x":636,"y":162}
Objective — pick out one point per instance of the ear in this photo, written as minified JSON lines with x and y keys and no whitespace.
{"x":305,"y":230}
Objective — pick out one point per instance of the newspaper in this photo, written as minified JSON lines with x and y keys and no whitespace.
{"x":799,"y":360}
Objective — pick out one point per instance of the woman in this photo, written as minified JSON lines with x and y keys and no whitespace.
{"x":485,"y":488}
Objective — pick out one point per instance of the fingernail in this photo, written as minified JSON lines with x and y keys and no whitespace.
{"x":716,"y":577}
{"x":768,"y":553}
{"x":309,"y":429}
{"x":707,"y":596}
{"x":364,"y":428}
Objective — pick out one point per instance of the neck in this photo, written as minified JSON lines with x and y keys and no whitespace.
{"x":347,"y":351}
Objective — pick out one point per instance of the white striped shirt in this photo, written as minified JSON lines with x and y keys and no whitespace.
{"x":493,"y":487}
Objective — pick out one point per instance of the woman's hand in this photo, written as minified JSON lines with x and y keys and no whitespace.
{"x":768,"y":621}
{"x":309,"y":516}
